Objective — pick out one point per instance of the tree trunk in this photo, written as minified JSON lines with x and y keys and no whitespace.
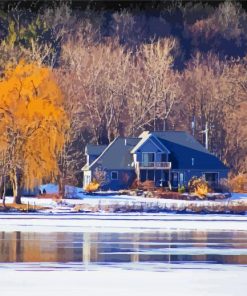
{"x":16,"y":185}
{"x":1,"y":187}
{"x":61,"y":187}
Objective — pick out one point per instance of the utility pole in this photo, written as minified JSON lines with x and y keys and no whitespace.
{"x":193,"y":125}
{"x":206,"y":135}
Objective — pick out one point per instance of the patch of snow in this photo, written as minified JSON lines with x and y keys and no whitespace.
{"x":175,"y":281}
{"x":70,"y":191}
{"x":101,"y":222}
{"x":238,"y":196}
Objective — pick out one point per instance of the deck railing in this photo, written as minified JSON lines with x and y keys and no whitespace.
{"x":155,"y":165}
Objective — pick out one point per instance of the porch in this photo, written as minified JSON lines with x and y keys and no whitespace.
{"x":161,"y":178}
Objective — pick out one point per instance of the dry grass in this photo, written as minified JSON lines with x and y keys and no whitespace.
{"x":239,"y":183}
{"x":169,"y":195}
{"x":22,"y":207}
{"x":239,"y":207}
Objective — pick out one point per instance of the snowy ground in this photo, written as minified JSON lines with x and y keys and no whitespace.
{"x":213,"y":281}
{"x":67,"y":205}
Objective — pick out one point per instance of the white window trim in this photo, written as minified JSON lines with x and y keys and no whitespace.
{"x":116,"y":173}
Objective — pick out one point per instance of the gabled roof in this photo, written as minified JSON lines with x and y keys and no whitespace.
{"x":181,"y":138}
{"x":145,"y":137}
{"x":117,"y":155}
{"x":181,"y":146}
{"x":184,"y":147}
{"x":92,"y":149}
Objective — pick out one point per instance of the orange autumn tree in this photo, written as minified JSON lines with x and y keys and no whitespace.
{"x":32,"y":124}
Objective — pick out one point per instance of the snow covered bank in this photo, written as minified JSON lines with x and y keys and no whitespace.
{"x":218,"y":281}
{"x":119,"y":223}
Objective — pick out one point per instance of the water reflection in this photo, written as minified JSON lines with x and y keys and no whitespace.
{"x":107,"y":248}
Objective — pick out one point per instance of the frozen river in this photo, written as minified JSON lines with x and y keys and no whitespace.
{"x":41,"y":255}
{"x":152,"y":250}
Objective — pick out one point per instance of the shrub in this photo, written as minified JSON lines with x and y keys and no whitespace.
{"x":181,"y":189}
{"x":92,"y":186}
{"x":198,"y":186}
{"x":239,"y":183}
{"x":100,"y":176}
{"x":146,"y":185}
{"x":135,"y":185}
{"x":224,"y":185}
{"x":169,"y":195}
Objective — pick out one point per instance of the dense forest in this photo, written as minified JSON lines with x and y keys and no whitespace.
{"x":123,"y":69}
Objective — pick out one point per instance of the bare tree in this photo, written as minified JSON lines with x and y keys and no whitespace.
{"x":153,"y":91}
{"x":211,"y":94}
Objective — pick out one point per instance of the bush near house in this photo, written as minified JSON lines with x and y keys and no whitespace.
{"x":199,"y":186}
{"x":146,"y":185}
{"x":169,"y":195}
{"x":224,"y":185}
{"x":181,"y":189}
{"x":92,"y":186}
{"x":239,"y":183}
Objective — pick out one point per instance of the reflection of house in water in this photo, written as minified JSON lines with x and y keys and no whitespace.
{"x":34,"y":247}
{"x":135,"y":254}
{"x":10,"y":247}
{"x":85,"y":248}
{"x":200,"y":240}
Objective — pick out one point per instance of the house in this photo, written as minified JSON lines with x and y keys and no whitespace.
{"x":170,"y":157}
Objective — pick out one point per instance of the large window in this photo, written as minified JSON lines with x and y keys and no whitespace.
{"x":147,"y":157}
{"x":211,"y":178}
{"x":114,"y":175}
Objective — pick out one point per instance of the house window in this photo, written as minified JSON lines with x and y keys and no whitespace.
{"x":212,"y":178}
{"x":192,"y":161}
{"x":114,"y":175}
{"x":147,"y":157}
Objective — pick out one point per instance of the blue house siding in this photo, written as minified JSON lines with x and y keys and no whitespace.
{"x":91,"y":158}
{"x":124,"y":181}
{"x":199,"y":173}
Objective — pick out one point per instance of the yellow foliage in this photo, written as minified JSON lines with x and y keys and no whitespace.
{"x":92,"y":186}
{"x":199,"y":186}
{"x":202,"y":190}
{"x":33,"y":121}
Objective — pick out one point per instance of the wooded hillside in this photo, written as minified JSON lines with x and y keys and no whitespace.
{"x":125,"y":70}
